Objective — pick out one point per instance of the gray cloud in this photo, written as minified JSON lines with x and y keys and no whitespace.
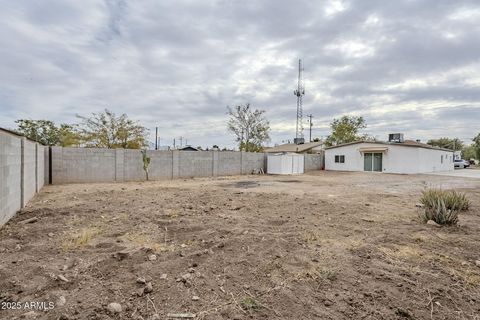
{"x":407,"y":66}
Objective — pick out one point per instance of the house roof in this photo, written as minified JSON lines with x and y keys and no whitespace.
{"x":406,"y":143}
{"x":292,"y":147}
{"x":188,"y":148}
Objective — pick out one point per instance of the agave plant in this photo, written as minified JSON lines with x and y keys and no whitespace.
{"x":443,"y":206}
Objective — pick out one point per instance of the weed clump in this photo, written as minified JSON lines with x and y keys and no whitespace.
{"x":250,"y":304}
{"x":443,"y":206}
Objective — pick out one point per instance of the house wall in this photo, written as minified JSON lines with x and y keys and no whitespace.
{"x":398,"y":159}
{"x":430,"y":160}
{"x":21,"y":173}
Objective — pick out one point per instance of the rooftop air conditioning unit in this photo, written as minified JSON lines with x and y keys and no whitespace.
{"x":396,"y":137}
{"x":298,"y":140}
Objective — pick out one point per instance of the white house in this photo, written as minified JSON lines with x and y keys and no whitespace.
{"x":395,"y":156}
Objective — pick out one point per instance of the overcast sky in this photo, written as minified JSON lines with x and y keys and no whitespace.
{"x":405,"y":66}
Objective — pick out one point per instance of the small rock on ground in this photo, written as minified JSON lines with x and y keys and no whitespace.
{"x":148,"y":288}
{"x":433,"y":223}
{"x":114,"y":307}
{"x":152,"y":257}
{"x":61,"y":301}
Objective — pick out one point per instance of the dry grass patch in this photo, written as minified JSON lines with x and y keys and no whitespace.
{"x":140,"y":239}
{"x":317,"y":273}
{"x":82,"y":238}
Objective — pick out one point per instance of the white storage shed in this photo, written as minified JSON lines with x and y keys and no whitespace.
{"x":285,"y":163}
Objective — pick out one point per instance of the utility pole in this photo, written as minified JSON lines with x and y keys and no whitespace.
{"x":181,"y":142}
{"x":310,"y":116}
{"x":173,"y":143}
{"x":156,"y":138}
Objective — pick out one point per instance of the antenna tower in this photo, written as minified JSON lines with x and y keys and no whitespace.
{"x":299,"y":92}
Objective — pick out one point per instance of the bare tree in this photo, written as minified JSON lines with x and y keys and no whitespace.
{"x":250,"y":127}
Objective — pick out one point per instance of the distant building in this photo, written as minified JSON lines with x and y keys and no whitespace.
{"x":395,"y":156}
{"x":457,"y":155}
{"x":312,"y":147}
{"x":188,"y":148}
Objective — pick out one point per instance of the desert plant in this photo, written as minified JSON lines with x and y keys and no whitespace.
{"x":443,"y":206}
{"x":249,"y":303}
{"x":146,"y":162}
{"x":80,"y":239}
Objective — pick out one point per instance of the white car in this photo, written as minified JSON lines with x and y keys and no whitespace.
{"x":460,"y":163}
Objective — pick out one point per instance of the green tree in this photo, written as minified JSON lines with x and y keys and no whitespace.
{"x":68,"y":136}
{"x":106,"y":130}
{"x":476,"y":145}
{"x":250,"y":127}
{"x":447,"y":143}
{"x":47,"y":133}
{"x":469,"y":152}
{"x":346,"y":130}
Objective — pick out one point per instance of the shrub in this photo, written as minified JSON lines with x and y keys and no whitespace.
{"x":443,"y":206}
{"x":250,"y":304}
{"x":146,"y":162}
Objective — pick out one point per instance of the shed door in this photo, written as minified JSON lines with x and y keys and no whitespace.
{"x":372,"y":162}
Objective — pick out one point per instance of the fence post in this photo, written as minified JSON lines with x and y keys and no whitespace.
{"x":175,"y":164}
{"x":119,"y":164}
{"x":215,"y":163}
{"x":36,"y":167}
{"x":241,"y":162}
{"x":22,"y":172}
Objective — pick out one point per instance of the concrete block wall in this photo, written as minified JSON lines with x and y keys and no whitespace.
{"x":70,"y":165}
{"x":29,"y":170}
{"x":21,"y":173}
{"x":10,"y":176}
{"x":46,"y":165}
{"x":40,"y":180}
{"x":195,"y":164}
{"x":229,"y":163}
{"x":83,"y":165}
{"x":314,"y":162}
{"x":161,"y":164}
{"x":253,"y":161}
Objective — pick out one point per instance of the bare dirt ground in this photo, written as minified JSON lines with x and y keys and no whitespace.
{"x":324,"y":245}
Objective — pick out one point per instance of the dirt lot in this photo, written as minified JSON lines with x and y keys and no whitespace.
{"x":318,"y":246}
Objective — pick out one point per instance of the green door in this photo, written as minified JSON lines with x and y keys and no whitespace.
{"x":372,"y":162}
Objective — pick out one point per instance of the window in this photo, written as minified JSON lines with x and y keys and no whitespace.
{"x":441,"y":158}
{"x":339,"y":158}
